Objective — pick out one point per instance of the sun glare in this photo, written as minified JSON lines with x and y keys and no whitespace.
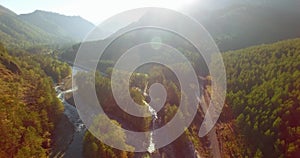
{"x":174,"y":4}
{"x":97,"y":12}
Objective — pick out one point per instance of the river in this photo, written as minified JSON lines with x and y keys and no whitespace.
{"x":70,"y":130}
{"x":151,"y":147}
{"x":75,"y":147}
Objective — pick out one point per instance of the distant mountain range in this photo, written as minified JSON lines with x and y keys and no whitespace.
{"x":247,"y":23}
{"x":236,"y":24}
{"x":40,"y":27}
{"x":73,"y":27}
{"x":233,"y":24}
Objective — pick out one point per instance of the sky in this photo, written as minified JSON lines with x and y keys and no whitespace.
{"x":96,"y":11}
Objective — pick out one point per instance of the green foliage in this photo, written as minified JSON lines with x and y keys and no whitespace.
{"x":52,"y":67}
{"x":95,"y":148}
{"x":263,"y":89}
{"x":29,"y":108}
{"x":258,"y":154}
{"x":170,"y":112}
{"x":108,"y":103}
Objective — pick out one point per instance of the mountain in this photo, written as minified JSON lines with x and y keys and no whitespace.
{"x":239,"y":24}
{"x":4,"y":10}
{"x":40,"y":28}
{"x":232,"y":24}
{"x":70,"y":27}
{"x":15,"y":32}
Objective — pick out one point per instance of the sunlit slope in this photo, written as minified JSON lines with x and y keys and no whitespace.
{"x":29,"y":108}
{"x":15,"y":32}
{"x":40,"y":28}
{"x":263,"y":91}
{"x":70,"y":27}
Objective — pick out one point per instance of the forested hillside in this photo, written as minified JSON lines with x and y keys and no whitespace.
{"x":260,"y":117}
{"x":182,"y":147}
{"x":264,"y":93}
{"x":29,"y":108}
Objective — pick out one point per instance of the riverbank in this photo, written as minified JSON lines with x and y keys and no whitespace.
{"x":67,"y":84}
{"x":72,"y":145}
{"x":69,"y":133}
{"x":63,"y":135}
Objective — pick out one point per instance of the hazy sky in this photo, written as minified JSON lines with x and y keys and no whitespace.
{"x":92,"y":10}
